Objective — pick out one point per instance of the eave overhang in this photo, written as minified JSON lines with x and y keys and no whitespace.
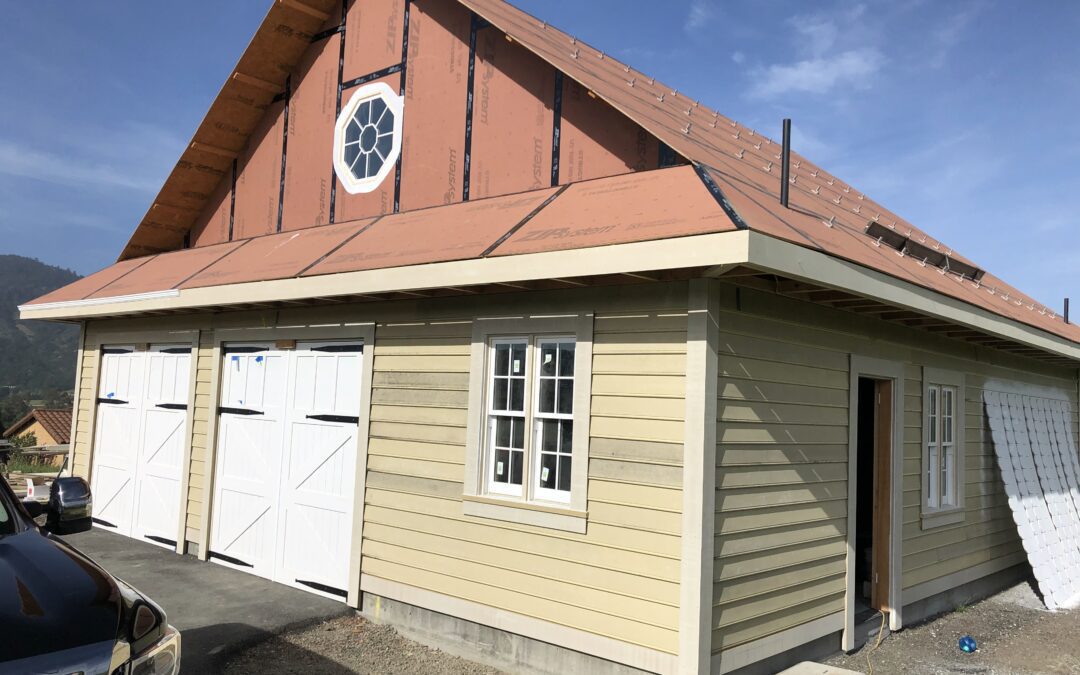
{"x":713,"y":255}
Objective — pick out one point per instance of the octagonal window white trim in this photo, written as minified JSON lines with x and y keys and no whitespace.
{"x":367,"y":137}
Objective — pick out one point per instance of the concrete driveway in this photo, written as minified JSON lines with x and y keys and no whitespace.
{"x":216,"y":609}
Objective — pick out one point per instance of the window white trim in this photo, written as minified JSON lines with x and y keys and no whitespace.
{"x":395,"y":105}
{"x":943,"y":450}
{"x":533,"y":505}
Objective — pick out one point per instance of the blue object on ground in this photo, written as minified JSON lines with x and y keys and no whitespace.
{"x":967,"y":644}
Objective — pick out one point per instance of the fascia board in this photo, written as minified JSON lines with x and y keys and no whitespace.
{"x":796,"y":262}
{"x":723,"y":248}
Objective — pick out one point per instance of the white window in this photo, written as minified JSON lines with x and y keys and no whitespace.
{"x":367,"y":137}
{"x":528,"y":423}
{"x":943,"y":464}
{"x":546,"y":407}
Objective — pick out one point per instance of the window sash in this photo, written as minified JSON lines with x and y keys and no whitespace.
{"x":503,"y":458}
{"x":941,"y":465}
{"x":530,"y":411}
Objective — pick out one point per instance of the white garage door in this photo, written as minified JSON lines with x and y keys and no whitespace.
{"x":286,"y":462}
{"x":139,"y":441}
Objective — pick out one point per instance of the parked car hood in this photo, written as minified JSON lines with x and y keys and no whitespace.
{"x":52,"y":597}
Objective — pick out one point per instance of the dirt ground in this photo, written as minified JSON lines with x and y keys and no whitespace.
{"x":349,"y":645}
{"x":1014,"y":632}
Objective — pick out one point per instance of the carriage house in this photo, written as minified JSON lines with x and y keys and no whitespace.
{"x":453,"y":317}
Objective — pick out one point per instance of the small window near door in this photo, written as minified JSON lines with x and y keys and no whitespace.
{"x":943,"y":464}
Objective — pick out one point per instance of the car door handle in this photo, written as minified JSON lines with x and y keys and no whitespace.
{"x":344,"y":419}
{"x":112,"y":401}
{"x":172,"y":406}
{"x":238,"y":411}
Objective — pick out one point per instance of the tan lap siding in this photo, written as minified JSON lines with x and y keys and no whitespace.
{"x":200,"y":470}
{"x":781,"y":483}
{"x":87,"y":401}
{"x":782,"y":459}
{"x":620,"y":579}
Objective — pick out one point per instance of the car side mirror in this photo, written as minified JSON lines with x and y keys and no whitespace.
{"x":69,"y":508}
{"x":33,"y":507}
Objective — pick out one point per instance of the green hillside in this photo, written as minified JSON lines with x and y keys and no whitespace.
{"x":37,"y":358}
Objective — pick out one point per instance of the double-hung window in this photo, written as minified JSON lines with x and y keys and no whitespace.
{"x":943,"y":463}
{"x":528,"y":446}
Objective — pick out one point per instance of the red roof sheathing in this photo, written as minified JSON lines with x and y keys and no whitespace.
{"x":826,"y":214}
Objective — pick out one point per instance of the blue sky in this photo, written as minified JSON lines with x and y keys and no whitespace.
{"x":956,"y":115}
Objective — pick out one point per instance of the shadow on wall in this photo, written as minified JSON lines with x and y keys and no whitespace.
{"x":781,"y":488}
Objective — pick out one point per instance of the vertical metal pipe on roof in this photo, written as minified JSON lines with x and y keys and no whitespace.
{"x":785,"y":163}
{"x":1066,"y":310}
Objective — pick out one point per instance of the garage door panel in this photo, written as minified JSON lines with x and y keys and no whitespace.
{"x":163,"y":441}
{"x":245,"y":382}
{"x":319,"y":461}
{"x":113,"y":490}
{"x":319,"y":545}
{"x":249,"y":531}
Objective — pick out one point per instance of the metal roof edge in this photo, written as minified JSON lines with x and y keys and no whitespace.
{"x":705,"y":250}
{"x":801,"y":263}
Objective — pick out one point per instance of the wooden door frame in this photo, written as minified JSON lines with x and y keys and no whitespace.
{"x":876,"y":369}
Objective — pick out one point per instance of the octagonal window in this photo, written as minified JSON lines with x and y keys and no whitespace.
{"x":367,"y":138}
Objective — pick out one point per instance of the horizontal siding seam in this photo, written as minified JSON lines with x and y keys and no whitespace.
{"x":800,"y":543}
{"x":554,"y":533}
{"x":523,"y":592}
{"x":803,"y":582}
{"x":816,"y":598}
{"x":780,"y":568}
{"x":538,"y":576}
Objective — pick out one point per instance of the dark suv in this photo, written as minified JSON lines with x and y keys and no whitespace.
{"x":60,"y":612}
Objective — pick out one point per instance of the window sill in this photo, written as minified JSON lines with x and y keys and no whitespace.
{"x":553,"y":517}
{"x":932,"y":519}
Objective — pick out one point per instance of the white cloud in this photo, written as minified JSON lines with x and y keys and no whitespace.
{"x":135,"y":157}
{"x":28,"y":162}
{"x":738,"y":57}
{"x":701,"y":13}
{"x":853,"y":68}
{"x":820,"y":33}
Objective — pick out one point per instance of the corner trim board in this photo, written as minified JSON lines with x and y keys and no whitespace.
{"x":699,"y":477}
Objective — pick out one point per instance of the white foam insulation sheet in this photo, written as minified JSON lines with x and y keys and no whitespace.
{"x":1036,"y":451}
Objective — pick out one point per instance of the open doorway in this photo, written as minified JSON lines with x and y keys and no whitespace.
{"x":872,"y":494}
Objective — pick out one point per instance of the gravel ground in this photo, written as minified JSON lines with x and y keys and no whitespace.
{"x":1015,"y":634}
{"x":349,"y":645}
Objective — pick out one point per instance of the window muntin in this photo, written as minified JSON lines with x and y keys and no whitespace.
{"x":367,"y":137}
{"x":547,"y":407}
{"x":942,"y":465}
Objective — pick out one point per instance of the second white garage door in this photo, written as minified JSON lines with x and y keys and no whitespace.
{"x":286,"y":462}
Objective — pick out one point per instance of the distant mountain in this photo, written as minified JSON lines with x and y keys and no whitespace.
{"x":37,"y":358}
